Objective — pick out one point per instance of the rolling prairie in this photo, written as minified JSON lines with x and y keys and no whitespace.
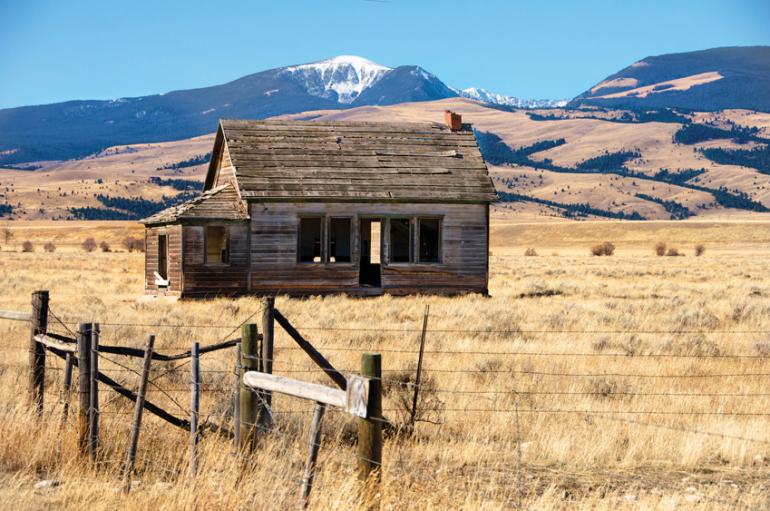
{"x":625,"y":382}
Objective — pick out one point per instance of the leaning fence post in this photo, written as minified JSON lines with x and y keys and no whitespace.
{"x":195,"y":403}
{"x":249,"y":400}
{"x":237,"y":400}
{"x":66,"y":386}
{"x":370,"y":433}
{"x":419,"y":367}
{"x":39,"y":325}
{"x":131,"y":455}
{"x":93,"y":385}
{"x":315,"y":445}
{"x":268,"y":333}
{"x":84,"y":386}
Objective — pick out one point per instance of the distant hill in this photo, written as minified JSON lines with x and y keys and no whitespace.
{"x":75,"y":129}
{"x":707,"y":80}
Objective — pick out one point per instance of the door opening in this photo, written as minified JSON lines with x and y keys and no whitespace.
{"x":371,"y":241}
{"x":162,"y":274}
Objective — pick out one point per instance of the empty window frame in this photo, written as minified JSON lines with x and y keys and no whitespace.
{"x":400,"y":240}
{"x":339,"y":240}
{"x":163,"y":257}
{"x":217,"y":245}
{"x":430,"y":240}
{"x":310,"y":239}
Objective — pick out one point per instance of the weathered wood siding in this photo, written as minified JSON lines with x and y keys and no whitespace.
{"x":226,"y":171}
{"x":174,"y":233}
{"x":201,"y":279}
{"x":274,"y":266}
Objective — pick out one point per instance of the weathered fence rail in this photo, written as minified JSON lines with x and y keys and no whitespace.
{"x":254,"y":385}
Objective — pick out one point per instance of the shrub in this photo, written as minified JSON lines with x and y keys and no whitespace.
{"x":673,"y":252}
{"x":606,"y":249}
{"x":530,"y":252}
{"x":699,"y":249}
{"x":27,"y":246}
{"x":104,"y":247}
{"x":130,"y":243}
{"x":660,"y":248}
{"x":89,"y":245}
{"x":49,"y":247}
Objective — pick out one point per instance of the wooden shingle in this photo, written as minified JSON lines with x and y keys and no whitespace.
{"x":353,"y":161}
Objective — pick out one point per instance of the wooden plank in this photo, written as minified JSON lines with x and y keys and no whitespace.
{"x":15,"y":315}
{"x":138,"y":408}
{"x":312,"y":391}
{"x":308,"y":348}
{"x":50,"y":342}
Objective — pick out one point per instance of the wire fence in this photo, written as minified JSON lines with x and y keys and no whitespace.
{"x":509,"y":386}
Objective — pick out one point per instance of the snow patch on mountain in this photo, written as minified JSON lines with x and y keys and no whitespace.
{"x":341,"y":78}
{"x":486,"y":96}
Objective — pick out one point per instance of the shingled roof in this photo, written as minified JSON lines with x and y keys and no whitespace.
{"x":220,"y":203}
{"x":353,"y":161}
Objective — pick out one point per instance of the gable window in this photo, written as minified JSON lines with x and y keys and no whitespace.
{"x":217,"y":245}
{"x":430,"y":240}
{"x":400,"y":240}
{"x":310,"y":236}
{"x":339,"y":240}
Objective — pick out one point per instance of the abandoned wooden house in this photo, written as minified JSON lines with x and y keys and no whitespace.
{"x":305,"y":208}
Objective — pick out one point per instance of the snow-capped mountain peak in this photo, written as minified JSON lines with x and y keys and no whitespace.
{"x":486,"y":96}
{"x":341,"y":78}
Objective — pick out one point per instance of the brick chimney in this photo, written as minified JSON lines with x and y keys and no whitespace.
{"x":453,"y":120}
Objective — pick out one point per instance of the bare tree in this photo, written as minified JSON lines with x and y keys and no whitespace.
{"x":89,"y":245}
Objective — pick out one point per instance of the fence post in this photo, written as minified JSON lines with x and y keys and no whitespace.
{"x":249,"y":400}
{"x":131,"y":455}
{"x":237,"y":400}
{"x":38,"y":325}
{"x":84,"y":385}
{"x":195,"y":403}
{"x":315,"y":445}
{"x":370,"y":433}
{"x":268,"y":333}
{"x":419,"y":367}
{"x":93,"y":387}
{"x":66,"y":387}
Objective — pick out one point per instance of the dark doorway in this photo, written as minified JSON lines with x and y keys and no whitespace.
{"x":163,"y":257}
{"x":371,"y":242}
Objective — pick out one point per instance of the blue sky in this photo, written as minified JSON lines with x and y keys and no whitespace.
{"x":58,"y":50}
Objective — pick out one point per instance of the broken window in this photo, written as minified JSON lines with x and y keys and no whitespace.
{"x":400,"y":240}
{"x":217,"y":245}
{"x":310,"y":236}
{"x":339,"y":240}
{"x":163,"y":256}
{"x":430,"y":240}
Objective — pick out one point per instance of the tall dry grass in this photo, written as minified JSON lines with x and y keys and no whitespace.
{"x":693,"y":452}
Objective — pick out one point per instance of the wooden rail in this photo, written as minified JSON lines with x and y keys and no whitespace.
{"x":15,"y":315}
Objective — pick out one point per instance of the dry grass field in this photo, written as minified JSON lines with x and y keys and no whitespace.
{"x":625,"y":382}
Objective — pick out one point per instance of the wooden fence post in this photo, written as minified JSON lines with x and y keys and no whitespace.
{"x":66,"y":388}
{"x":249,"y":400}
{"x":268,"y":333}
{"x":93,"y":387}
{"x":419,"y":367}
{"x":131,"y":455}
{"x":370,"y":433}
{"x":314,"y":446}
{"x":84,"y":385}
{"x":38,"y":325}
{"x":237,"y":400}
{"x":195,"y":404}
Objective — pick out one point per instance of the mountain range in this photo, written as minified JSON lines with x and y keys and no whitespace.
{"x":705,"y":80}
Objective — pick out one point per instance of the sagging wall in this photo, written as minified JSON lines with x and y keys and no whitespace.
{"x":174,"y":234}
{"x":273,"y":242}
{"x":202,"y":279}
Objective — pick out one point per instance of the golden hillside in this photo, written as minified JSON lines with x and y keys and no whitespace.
{"x":125,"y":171}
